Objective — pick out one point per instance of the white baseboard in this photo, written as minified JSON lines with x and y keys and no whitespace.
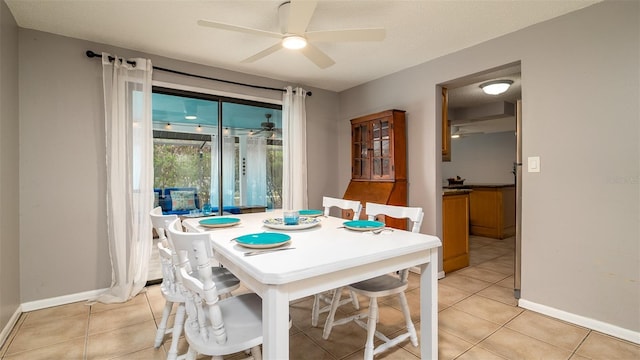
{"x":603,"y":327}
{"x":4,"y":335}
{"x":61,"y":300}
{"x":43,"y":304}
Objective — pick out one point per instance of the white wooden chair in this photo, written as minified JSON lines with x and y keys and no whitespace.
{"x":214,"y":327}
{"x":225,"y":281}
{"x":326,"y":297}
{"x":170,"y":289}
{"x":384,"y":285}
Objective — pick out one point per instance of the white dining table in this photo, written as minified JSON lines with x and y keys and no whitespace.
{"x":325,"y":257}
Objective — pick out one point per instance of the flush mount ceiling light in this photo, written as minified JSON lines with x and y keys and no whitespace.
{"x":495,"y":87}
{"x":294,"y":42}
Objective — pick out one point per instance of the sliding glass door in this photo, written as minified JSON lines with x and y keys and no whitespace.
{"x":218,"y":152}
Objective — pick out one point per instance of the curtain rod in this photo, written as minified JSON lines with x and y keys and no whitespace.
{"x":92,"y":54}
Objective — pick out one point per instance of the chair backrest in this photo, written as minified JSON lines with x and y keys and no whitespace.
{"x":201,"y":294}
{"x":183,"y":242}
{"x":415,"y":214}
{"x":168,"y":258}
{"x":159,"y":221}
{"x":329,"y":202}
{"x":167,"y":261}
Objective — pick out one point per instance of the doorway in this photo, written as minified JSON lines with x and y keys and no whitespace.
{"x":482,"y":150}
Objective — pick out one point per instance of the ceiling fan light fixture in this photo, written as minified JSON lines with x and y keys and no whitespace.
{"x":496,"y":87}
{"x":294,"y":42}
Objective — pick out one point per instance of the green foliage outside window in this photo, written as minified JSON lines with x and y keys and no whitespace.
{"x":182,"y":166}
{"x":186,"y":164}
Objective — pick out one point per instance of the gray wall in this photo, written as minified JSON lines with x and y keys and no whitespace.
{"x":62,"y":156}
{"x":580,"y":78}
{"x":580,"y":214}
{"x":482,"y":158}
{"x":10,"y":209}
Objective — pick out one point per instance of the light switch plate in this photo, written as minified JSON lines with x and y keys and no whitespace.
{"x":533,"y":164}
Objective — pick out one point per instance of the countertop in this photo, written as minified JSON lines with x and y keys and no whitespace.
{"x":467,"y":188}
{"x":455,"y":191}
{"x":477,"y":185}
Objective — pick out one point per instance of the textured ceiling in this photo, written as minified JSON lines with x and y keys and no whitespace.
{"x":417,"y":31}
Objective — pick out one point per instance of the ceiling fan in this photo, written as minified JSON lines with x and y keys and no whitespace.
{"x":268,"y":127}
{"x":294,"y":17}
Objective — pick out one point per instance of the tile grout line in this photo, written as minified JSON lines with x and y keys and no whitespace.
{"x":477,"y":293}
{"x":575,"y":351}
{"x":86,"y":335}
{"x":543,"y":341}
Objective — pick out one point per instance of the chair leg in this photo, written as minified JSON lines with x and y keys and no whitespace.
{"x":315,"y":310}
{"x":371,"y":328}
{"x":354,"y":300}
{"x":332,"y":313}
{"x":191,"y":354}
{"x":178,"y":325}
{"x":256,"y":353}
{"x":162,"y":328}
{"x":407,"y":318}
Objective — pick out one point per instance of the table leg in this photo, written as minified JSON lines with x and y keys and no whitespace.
{"x":275,"y":324}
{"x":429,"y":307}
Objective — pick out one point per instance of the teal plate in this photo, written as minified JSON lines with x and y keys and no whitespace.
{"x":263,"y":240}
{"x":219,"y":222}
{"x":363,"y":225}
{"x":310,"y":213}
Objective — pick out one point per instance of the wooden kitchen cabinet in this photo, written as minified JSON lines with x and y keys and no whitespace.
{"x":493,"y":211}
{"x":455,"y":231}
{"x":378,"y":162}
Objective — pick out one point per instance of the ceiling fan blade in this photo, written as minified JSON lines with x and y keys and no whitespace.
{"x":317,"y":56}
{"x":300,"y":13}
{"x":263,"y":53}
{"x":242,"y":29}
{"x":347,"y":35}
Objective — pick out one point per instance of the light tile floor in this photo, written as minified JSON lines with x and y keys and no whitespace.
{"x":478,"y":319}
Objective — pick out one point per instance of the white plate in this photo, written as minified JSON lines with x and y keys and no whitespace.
{"x":303,"y":223}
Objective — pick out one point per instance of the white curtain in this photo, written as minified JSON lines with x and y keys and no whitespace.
{"x":256,"y":174}
{"x":228,"y":171}
{"x":129,"y":160}
{"x":294,"y":136}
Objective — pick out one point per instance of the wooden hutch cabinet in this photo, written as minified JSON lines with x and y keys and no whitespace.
{"x":378,"y":162}
{"x":378,"y":147}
